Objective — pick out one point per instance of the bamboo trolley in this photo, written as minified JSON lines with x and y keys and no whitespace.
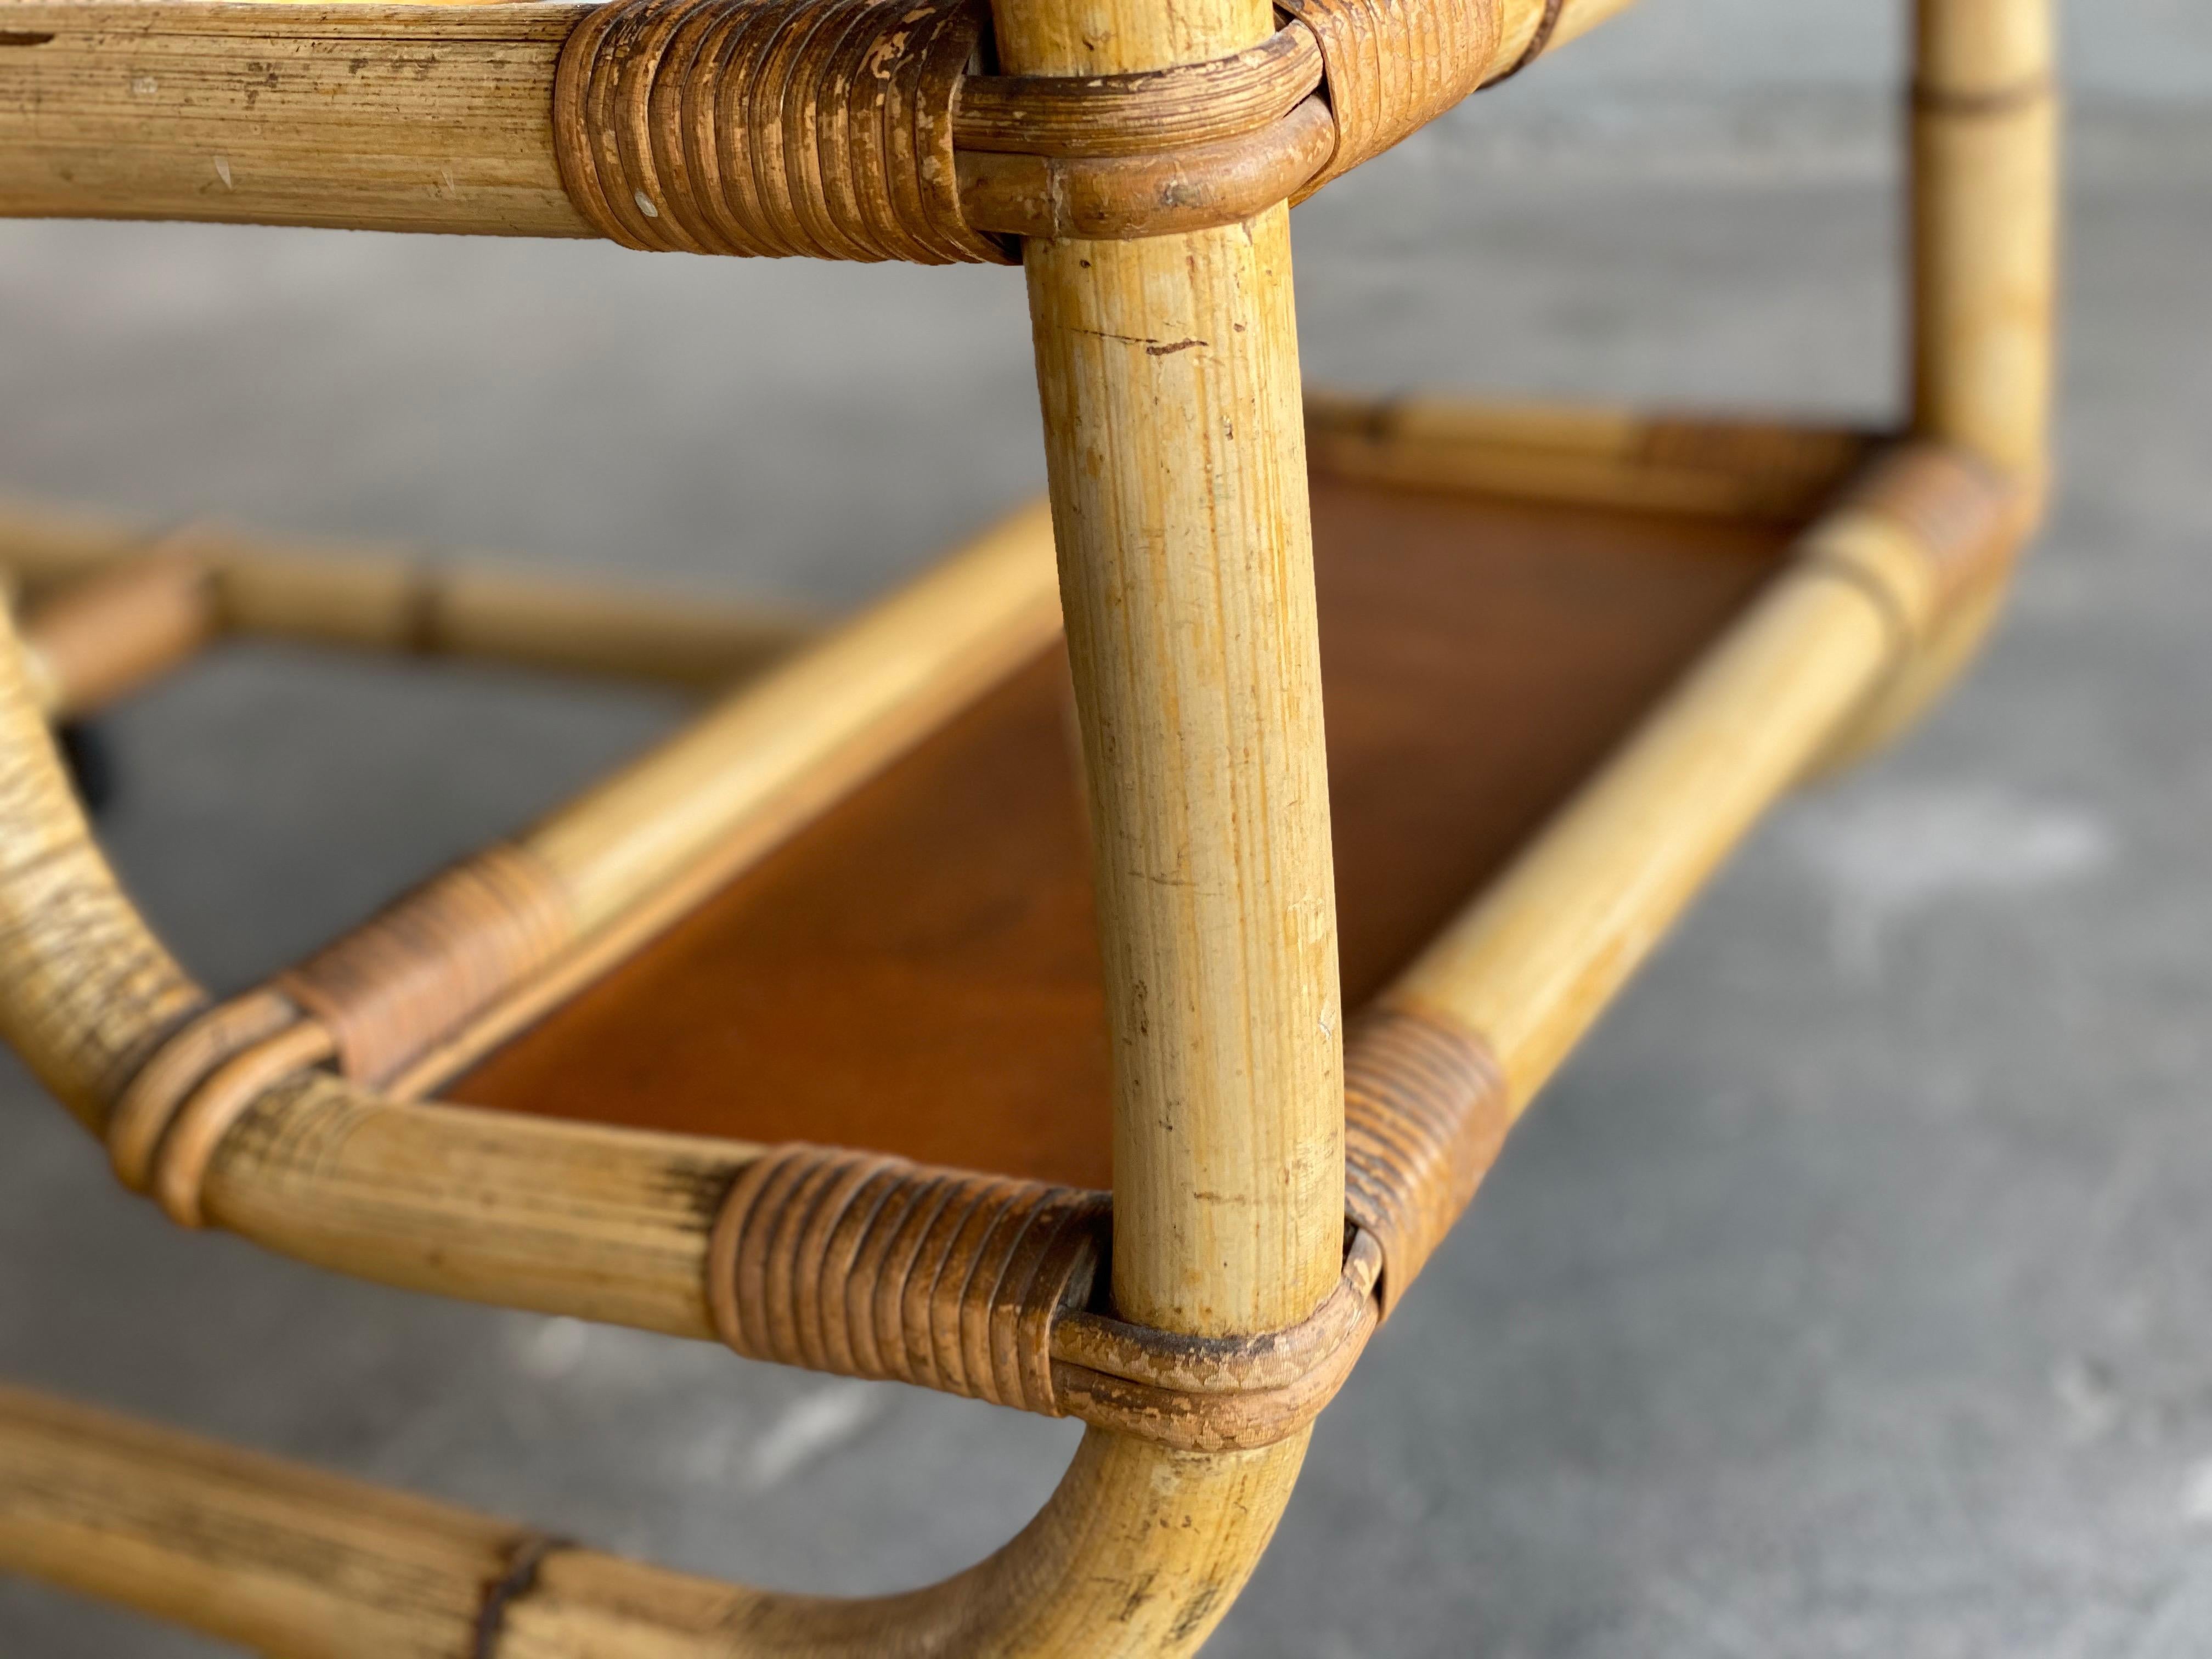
{"x":873,"y":1024}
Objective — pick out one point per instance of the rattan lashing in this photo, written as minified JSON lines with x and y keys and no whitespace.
{"x":835,"y":129}
{"x":868,"y":1266}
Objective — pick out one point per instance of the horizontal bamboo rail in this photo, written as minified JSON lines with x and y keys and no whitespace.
{"x":1536,"y":959}
{"x":440,"y":118}
{"x":239,"y":1547}
{"x":109,"y":603}
{"x":799,"y":738}
{"x":1570,"y":455}
{"x":104,"y":636}
{"x":649,"y":844}
{"x":135,"y":599}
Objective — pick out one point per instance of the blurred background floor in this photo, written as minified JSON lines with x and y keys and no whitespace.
{"x":1846,"y":1296}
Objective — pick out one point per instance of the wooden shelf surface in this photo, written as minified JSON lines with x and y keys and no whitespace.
{"x":917,"y":972}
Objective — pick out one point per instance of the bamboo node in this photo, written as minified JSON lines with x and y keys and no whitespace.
{"x":1930,"y":99}
{"x":1539,"y":43}
{"x":524,"y":1559}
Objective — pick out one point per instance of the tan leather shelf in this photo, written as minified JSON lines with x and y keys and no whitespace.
{"x":917,"y":973}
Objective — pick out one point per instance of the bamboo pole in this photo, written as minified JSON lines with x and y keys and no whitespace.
{"x":742,"y":776}
{"x":1167,"y":373}
{"x":505,"y":1209}
{"x":246,"y":1549}
{"x":292,"y":1562}
{"x":86,"y":990}
{"x":1984,"y":277}
{"x":367,"y":115}
{"x":378,"y":598}
{"x":1169,"y":376}
{"x":1533,"y":962}
{"x":103,"y":637}
{"x":359,"y":114}
{"x":1985,"y":229}
{"x":1586,"y":457}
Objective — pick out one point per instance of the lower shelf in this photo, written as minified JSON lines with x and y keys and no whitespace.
{"x":917,"y":973}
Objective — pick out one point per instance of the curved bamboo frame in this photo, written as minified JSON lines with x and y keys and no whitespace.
{"x":1142,"y":1548}
{"x":109,"y":605}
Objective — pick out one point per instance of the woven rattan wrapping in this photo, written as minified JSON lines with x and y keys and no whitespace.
{"x":864,"y":1265}
{"x":1394,"y":66}
{"x":431,"y":959}
{"x":1425,"y":1112}
{"x":868,"y":1266}
{"x":821,"y":128}
{"x":1963,"y":514}
{"x":857,"y":128}
{"x":369,"y":1002}
{"x":1143,"y":112}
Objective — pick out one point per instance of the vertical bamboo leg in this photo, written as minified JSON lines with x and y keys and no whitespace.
{"x":1985,"y":227}
{"x":1167,"y":373}
{"x":1984,"y":205}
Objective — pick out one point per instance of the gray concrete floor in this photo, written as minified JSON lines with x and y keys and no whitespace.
{"x":1846,"y":1296}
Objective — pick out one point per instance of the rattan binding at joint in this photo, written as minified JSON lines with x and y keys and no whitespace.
{"x":1099,"y":115}
{"x":166,"y":1079}
{"x":1964,"y":515}
{"x":864,"y":1265}
{"x":432,"y":958}
{"x":868,"y":1266}
{"x":1396,"y":65}
{"x":855,"y":130}
{"x":1425,"y":1113}
{"x":367,"y":1003}
{"x":1218,"y":1393}
{"x":771,"y":127}
{"x":171,"y":1116}
{"x":188,"y":1142}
